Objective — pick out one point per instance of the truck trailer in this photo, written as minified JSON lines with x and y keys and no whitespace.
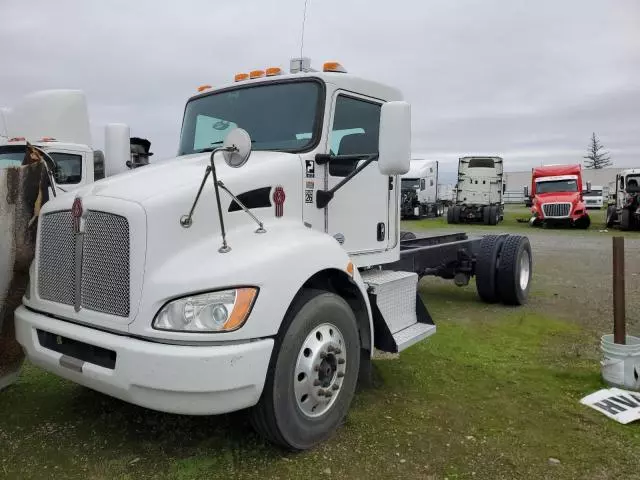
{"x":245,"y":274}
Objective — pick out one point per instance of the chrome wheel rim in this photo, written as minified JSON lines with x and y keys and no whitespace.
{"x":525,"y":269}
{"x":320,"y":369}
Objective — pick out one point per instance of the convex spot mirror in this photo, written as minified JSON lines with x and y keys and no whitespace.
{"x":240,"y":140}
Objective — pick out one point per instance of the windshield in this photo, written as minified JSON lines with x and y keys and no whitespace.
{"x":557,"y":186}
{"x":410,"y":183}
{"x":12,"y":156}
{"x":482,"y":163}
{"x":592,"y":193}
{"x":68,"y":167}
{"x":278,"y":116}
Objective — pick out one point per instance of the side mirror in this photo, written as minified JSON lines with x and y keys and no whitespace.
{"x":526,"y":192}
{"x":588,"y":187}
{"x":504,"y":187}
{"x":394,"y":145}
{"x":117,"y":149}
{"x":241,"y":141}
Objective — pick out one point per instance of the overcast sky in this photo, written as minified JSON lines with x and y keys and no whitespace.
{"x":525,"y":80}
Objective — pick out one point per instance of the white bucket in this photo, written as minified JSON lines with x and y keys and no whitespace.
{"x":621,"y":363}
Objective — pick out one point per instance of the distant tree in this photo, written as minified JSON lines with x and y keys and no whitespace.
{"x":595,"y":157}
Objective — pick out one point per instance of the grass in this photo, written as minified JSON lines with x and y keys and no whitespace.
{"x":494,"y":394}
{"x":510,"y":223}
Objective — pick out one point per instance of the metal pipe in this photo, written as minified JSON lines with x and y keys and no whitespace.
{"x":619,"y":314}
{"x":260,"y":225}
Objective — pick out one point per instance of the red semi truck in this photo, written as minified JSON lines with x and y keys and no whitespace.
{"x":557,"y":196}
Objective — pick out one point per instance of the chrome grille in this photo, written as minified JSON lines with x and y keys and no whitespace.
{"x":557,"y":210}
{"x":104,"y":281}
{"x":105,"y":264}
{"x":56,"y":272}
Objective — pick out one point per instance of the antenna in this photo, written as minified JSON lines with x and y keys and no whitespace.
{"x":304,"y":19}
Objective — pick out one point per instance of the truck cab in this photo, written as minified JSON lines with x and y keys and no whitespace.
{"x":557,"y":196}
{"x":245,"y":273}
{"x":625,"y":211}
{"x":56,"y":122}
{"x":420,"y":196}
{"x":594,"y":198}
{"x":479,"y":191}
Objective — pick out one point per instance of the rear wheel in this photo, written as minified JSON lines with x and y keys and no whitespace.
{"x":494,"y":215}
{"x":486,"y":267}
{"x":625,"y":219}
{"x":407,"y":236}
{"x":450,"y":215}
{"x":515,"y":270}
{"x":457,"y":211}
{"x":313,"y":373}
{"x":611,"y":216}
{"x":486,"y":215}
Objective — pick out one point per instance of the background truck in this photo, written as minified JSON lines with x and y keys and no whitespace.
{"x":245,"y":273}
{"x":625,"y":212}
{"x":57,"y":123}
{"x":479,"y":191}
{"x":557,"y":196}
{"x":419,"y":187}
{"x":594,"y":198}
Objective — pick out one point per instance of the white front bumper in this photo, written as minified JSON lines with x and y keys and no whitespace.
{"x":194,"y":380}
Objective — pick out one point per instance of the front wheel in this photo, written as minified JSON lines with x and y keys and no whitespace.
{"x":625,"y":219}
{"x":611,"y":216}
{"x":313,"y":373}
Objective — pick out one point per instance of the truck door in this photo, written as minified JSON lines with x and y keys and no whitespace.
{"x":358,"y":215}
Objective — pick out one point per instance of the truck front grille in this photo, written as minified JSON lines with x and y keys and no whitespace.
{"x":556,"y":210}
{"x":100,"y":255}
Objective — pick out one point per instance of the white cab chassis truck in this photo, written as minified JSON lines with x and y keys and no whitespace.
{"x":479,"y":191}
{"x":245,"y":273}
{"x":419,"y":191}
{"x":56,"y":122}
{"x":625,"y":212}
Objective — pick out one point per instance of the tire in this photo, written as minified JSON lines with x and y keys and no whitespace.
{"x":515,"y":270}
{"x":486,"y":265}
{"x":611,"y":216}
{"x":486,"y":215}
{"x":407,"y":236}
{"x":625,"y":219}
{"x":583,"y":222}
{"x":494,"y":215}
{"x":450,"y":215}
{"x":457,"y":211}
{"x":279,"y":416}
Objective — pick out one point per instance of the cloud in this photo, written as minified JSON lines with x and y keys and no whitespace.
{"x":528,"y":81}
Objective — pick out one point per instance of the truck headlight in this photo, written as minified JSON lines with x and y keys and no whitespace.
{"x":222,"y":311}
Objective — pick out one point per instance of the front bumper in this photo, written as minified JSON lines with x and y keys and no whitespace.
{"x":184,"y":379}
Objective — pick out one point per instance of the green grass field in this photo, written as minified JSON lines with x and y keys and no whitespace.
{"x":494,"y":394}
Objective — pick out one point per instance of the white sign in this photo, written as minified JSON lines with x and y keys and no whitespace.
{"x":621,"y":405}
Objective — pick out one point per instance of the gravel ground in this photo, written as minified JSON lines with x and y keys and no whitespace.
{"x":573,"y":275}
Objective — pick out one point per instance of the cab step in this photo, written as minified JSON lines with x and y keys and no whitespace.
{"x":400,"y":318}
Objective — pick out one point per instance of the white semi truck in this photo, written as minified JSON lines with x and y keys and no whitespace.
{"x":625,"y":210}
{"x":245,"y":273}
{"x":56,"y":122}
{"x":479,"y":191}
{"x":419,"y":190}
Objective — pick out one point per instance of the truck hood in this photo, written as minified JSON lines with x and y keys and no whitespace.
{"x":142,"y":184}
{"x":558,"y":197}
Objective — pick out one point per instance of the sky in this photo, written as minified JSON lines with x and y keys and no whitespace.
{"x":528,"y":81}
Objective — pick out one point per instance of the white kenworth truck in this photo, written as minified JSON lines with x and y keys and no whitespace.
{"x":479,"y":191}
{"x":245,"y":273}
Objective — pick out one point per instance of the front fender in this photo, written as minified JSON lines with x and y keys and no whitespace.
{"x":278,"y":262}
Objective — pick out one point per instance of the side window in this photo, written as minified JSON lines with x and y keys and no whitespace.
{"x":423,"y":184}
{"x":356,"y":125}
{"x":69,"y":167}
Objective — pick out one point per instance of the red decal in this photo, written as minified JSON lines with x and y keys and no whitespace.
{"x":278,"y":198}
{"x":76,"y":213}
